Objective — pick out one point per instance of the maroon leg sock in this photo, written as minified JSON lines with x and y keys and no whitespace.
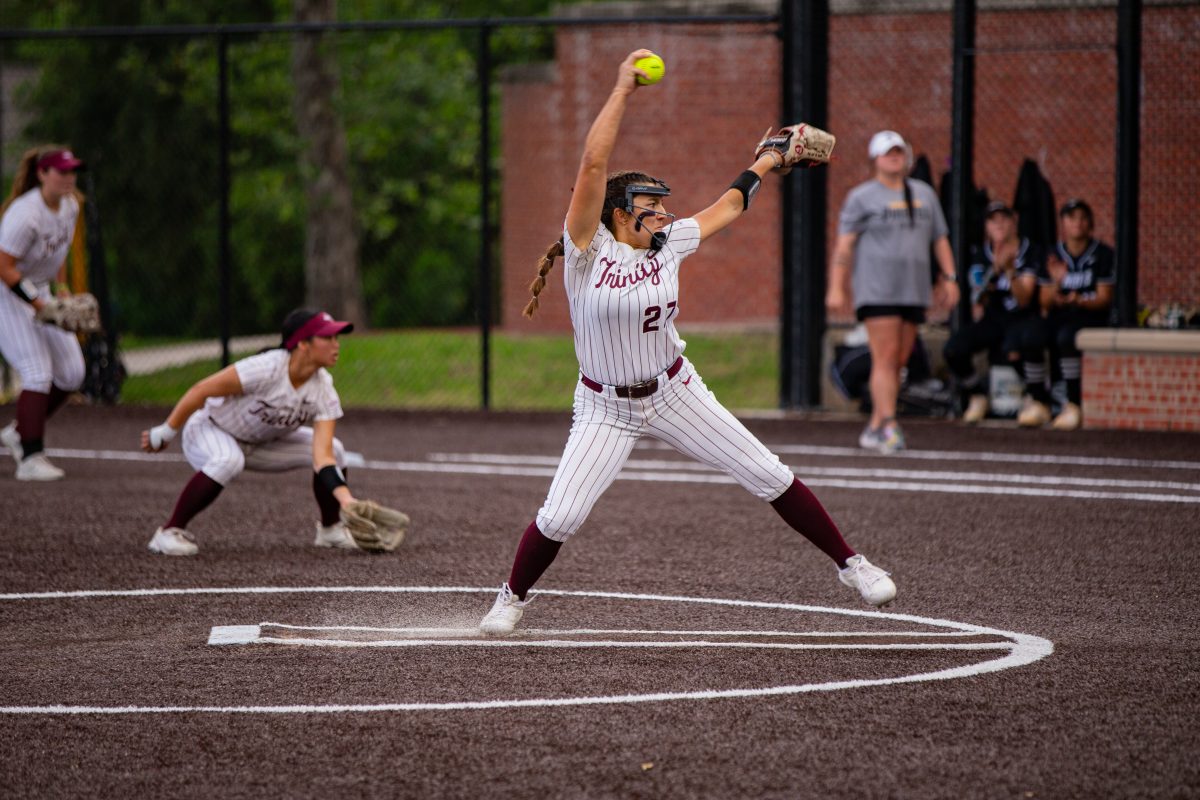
{"x":56,"y":400}
{"x":801,"y":509}
{"x":196,"y":496}
{"x":534,"y":554}
{"x":331,"y":509}
{"x":31,"y":420}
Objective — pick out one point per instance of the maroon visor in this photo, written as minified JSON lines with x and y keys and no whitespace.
{"x":320,"y":324}
{"x":61,"y":160}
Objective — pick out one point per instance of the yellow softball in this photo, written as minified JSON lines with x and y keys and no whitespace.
{"x":654,"y":68}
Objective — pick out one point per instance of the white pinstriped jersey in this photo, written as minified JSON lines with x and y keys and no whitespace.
{"x":624,"y":302}
{"x":269,"y":406}
{"x":37,"y":237}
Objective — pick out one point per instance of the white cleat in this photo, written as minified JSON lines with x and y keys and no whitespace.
{"x":871,"y":582}
{"x":12,"y":440}
{"x":334,"y":535}
{"x":505,"y":614}
{"x":173,"y":542}
{"x":38,"y":468}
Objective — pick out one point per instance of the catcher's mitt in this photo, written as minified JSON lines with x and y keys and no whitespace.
{"x":798,"y":145}
{"x":78,"y":313}
{"x":373,"y":527}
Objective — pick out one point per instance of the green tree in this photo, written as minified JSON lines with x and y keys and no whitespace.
{"x":143,"y":112}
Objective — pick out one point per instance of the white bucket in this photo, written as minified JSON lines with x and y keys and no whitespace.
{"x":1005,"y":389}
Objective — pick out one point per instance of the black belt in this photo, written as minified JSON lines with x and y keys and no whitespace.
{"x":635,"y":391}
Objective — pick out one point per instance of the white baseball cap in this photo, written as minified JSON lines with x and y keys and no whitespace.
{"x":884,"y":141}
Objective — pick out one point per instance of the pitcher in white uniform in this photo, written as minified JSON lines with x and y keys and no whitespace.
{"x":622,"y":254}
{"x":271,"y":412}
{"x":36,"y":230}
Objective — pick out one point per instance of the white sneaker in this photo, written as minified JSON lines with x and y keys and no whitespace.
{"x":173,"y":542}
{"x":870,"y":438}
{"x":872,"y":583}
{"x":505,"y":614}
{"x":887,"y":440}
{"x":334,"y":535}
{"x":12,"y":440}
{"x":977,"y":409}
{"x":1068,"y":419}
{"x":38,"y":468}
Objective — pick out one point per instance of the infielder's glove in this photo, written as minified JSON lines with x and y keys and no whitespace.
{"x":799,"y":145}
{"x":78,"y":313}
{"x":375,"y":528}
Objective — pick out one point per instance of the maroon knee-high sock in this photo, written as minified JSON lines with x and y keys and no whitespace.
{"x":31,"y":420}
{"x":534,"y":554}
{"x":801,"y":509}
{"x":57,"y":398}
{"x":331,"y":509}
{"x":196,"y":496}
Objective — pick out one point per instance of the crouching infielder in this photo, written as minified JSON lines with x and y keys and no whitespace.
{"x":271,"y":412}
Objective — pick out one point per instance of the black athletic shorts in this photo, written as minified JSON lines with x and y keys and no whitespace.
{"x":913,"y":314}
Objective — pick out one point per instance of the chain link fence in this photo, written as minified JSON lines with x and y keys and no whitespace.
{"x":440,"y":312}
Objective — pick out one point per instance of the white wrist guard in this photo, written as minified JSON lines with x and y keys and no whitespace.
{"x":160,"y":435}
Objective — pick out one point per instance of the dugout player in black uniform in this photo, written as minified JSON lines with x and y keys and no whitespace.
{"x":1075,"y":289}
{"x":1003,"y":275}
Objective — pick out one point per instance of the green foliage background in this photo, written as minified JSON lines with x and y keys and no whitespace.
{"x":143,"y":112}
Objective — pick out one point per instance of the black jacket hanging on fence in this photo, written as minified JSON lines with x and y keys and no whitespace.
{"x":1033,"y":200}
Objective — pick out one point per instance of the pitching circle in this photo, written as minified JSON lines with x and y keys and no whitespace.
{"x":1017,"y":650}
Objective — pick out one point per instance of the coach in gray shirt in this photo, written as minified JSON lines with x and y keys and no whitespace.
{"x":885,"y":232}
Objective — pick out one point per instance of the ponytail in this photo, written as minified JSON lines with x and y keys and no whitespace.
{"x":545,"y":264}
{"x":908,"y":203}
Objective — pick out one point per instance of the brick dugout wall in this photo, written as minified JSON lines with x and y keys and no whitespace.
{"x":1140,"y":379}
{"x":696,"y":128}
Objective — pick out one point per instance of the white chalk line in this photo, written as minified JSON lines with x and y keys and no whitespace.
{"x":933,"y":475}
{"x":472,"y":637}
{"x":1024,"y":649}
{"x":687,"y":472}
{"x":534,"y":632}
{"x":589,"y":644}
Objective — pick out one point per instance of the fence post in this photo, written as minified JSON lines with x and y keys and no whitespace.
{"x":962,"y":147}
{"x":805,"y":26}
{"x":1129,"y":78}
{"x":484,"y":67}
{"x":223,"y":258}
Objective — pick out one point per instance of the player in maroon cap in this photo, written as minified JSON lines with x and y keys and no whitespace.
{"x":36,"y":230}
{"x":270,"y":412}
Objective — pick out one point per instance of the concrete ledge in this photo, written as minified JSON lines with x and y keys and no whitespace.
{"x":1138,"y":340}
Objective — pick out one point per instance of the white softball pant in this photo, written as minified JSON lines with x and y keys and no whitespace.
{"x":42,"y":354}
{"x":222,"y":457}
{"x":684,"y":414}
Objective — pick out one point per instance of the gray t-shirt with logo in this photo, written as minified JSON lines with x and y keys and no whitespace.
{"x":892,"y":253}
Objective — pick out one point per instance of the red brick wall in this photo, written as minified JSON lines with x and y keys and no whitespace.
{"x":696,"y":128}
{"x":1141,"y":391}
